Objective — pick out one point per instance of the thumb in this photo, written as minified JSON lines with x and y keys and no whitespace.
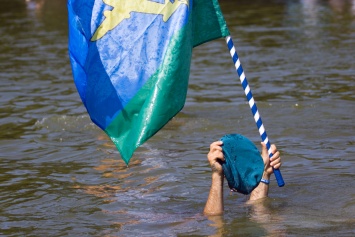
{"x":264,"y":151}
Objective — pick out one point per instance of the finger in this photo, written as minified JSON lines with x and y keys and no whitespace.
{"x":263,"y":149}
{"x":273,"y":148}
{"x":275,"y":162}
{"x":218,"y":155}
{"x":217,"y":143}
{"x":215,"y":155}
{"x":263,"y":146}
{"x":277,"y":166}
{"x":275,"y":156}
{"x":221,"y":157}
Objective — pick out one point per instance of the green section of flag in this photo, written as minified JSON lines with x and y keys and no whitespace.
{"x":208,"y":22}
{"x":164,"y":94}
{"x":157,"y":102}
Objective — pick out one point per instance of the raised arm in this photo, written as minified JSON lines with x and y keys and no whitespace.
{"x":214,"y":204}
{"x":262,"y":189}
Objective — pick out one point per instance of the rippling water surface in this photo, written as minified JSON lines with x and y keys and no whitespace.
{"x":61,"y":176}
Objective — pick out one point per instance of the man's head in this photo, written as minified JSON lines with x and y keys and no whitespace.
{"x":243,"y":166}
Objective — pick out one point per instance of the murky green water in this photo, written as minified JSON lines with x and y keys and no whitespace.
{"x":61,"y":176}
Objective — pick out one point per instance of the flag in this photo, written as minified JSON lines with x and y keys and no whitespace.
{"x":131,"y":61}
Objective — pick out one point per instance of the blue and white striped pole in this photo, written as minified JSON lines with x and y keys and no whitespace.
{"x":252,"y":105}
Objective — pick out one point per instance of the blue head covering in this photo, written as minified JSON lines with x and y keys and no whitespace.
{"x":243,"y":166}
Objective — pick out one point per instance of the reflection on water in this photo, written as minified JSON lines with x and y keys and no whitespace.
{"x":61,"y":176}
{"x":263,"y":213}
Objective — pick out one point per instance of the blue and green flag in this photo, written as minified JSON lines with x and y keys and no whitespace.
{"x":131,"y":61}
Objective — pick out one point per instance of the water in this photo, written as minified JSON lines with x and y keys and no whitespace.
{"x":61,"y":176}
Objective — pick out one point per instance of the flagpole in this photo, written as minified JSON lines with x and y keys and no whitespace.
{"x":252,"y":105}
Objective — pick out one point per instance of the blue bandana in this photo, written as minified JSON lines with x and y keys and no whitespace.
{"x":243,"y":166}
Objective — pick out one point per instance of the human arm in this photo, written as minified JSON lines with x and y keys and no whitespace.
{"x":214,"y":204}
{"x":262,"y":189}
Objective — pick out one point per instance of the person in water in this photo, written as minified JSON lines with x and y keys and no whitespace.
{"x":214,"y":204}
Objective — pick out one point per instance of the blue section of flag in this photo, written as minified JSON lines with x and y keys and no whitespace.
{"x":102,"y":101}
{"x":110,"y":71}
{"x":78,"y":47}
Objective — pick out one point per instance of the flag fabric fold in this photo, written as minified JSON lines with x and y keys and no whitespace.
{"x":131,"y":61}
